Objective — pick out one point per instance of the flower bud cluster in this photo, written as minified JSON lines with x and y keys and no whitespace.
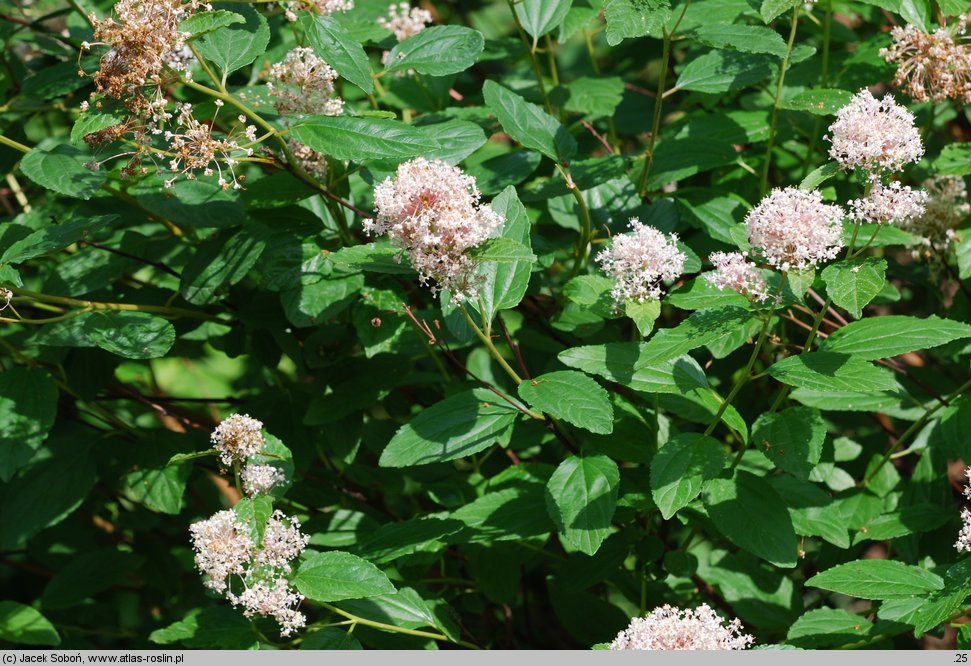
{"x":946,"y":207}
{"x":932,"y":66}
{"x":736,"y":273}
{"x":963,"y":544}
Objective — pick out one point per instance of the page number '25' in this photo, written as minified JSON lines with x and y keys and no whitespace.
{"x":961,"y":658}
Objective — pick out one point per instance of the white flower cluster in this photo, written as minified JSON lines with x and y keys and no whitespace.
{"x":304,"y":83}
{"x":946,"y":207}
{"x":405,"y":21}
{"x":793,"y":228}
{"x":431,"y":210}
{"x":322,"y":7}
{"x":963,"y":543}
{"x":224,"y":549}
{"x":889,"y":204}
{"x":874,"y":135}
{"x":237,"y":439}
{"x":736,"y":273}
{"x":640,"y":261}
{"x":261,"y":479}
{"x":670,"y":628}
{"x":931,"y":66}
{"x":196,"y":149}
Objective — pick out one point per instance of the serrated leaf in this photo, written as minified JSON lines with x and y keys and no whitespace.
{"x":877,"y":579}
{"x":772,"y":9}
{"x":234,"y":46}
{"x":199,"y":24}
{"x":644,"y":315}
{"x":504,"y":284}
{"x":28,"y":406}
{"x":331,"y":41}
{"x":681,"y":467}
{"x":946,"y":599}
{"x":458,"y":140}
{"x":892,"y":335}
{"x":504,"y":250}
{"x":828,"y":627}
{"x":540,"y":17}
{"x":377,"y":257}
{"x":54,"y":238}
{"x":820,"y":102}
{"x":90,"y":122}
{"x":701,"y":328}
{"x":581,"y":497}
{"x":830,"y":371}
{"x":819,"y":175}
{"x":159,"y":488}
{"x":438,"y":51}
{"x":740,"y":37}
{"x":253,"y":513}
{"x":723,"y":71}
{"x":628,"y":19}
{"x":571,"y":396}
{"x":732,"y":503}
{"x":792,"y":439}
{"x":86,"y":575}
{"x":136,"y":335}
{"x":336,"y":575}
{"x":61,"y":169}
{"x":616,"y":361}
{"x":508,"y":514}
{"x":23,"y":625}
{"x":453,"y":428}
{"x":853,"y":284}
{"x":362,"y":139}
{"x":528,"y":124}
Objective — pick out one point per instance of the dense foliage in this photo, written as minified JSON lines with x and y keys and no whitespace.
{"x":535,"y":316}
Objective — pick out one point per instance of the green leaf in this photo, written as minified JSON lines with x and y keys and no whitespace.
{"x":885,"y":337}
{"x":393,"y":540}
{"x":819,"y":175}
{"x":199,"y":24}
{"x":233,"y":47}
{"x":28,"y":406}
{"x":336,"y":575}
{"x":458,"y":140}
{"x":853,"y":284}
{"x":130,"y":334}
{"x":628,"y":19}
{"x":581,"y":497}
{"x":253,"y":513}
{"x":830,"y":371}
{"x":438,"y":51}
{"x":723,"y":71}
{"x":54,"y":238}
{"x":595,"y":97}
{"x":362,"y":139}
{"x":504,"y":250}
{"x":792,"y":439}
{"x":644,"y":315}
{"x":813,"y":511}
{"x":218,"y":627}
{"x":90,"y":122}
{"x":46,"y":492}
{"x":571,"y":396}
{"x":681,"y":467}
{"x":311,"y":304}
{"x":954,"y":160}
{"x":772,"y":9}
{"x":732,"y":504}
{"x":85,"y":576}
{"x":62,"y":170}
{"x":497,"y":173}
{"x":740,"y":37}
{"x":615,"y":361}
{"x":217,"y":263}
{"x":676,"y":159}
{"x":330,"y":638}
{"x":945,"y":599}
{"x":529,"y":124}
{"x":453,"y":428}
{"x":701,"y":328}
{"x":819,"y":102}
{"x":877,"y":579}
{"x":540,"y":17}
{"x":377,"y":257}
{"x":504,"y":284}
{"x":331,"y":41}
{"x":22,"y":625}
{"x":159,"y":488}
{"x":828,"y":627}
{"x":508,"y":514}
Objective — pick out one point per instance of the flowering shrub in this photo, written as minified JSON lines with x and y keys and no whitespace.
{"x":633,"y":324}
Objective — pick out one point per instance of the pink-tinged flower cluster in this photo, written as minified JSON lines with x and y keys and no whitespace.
{"x":228,"y":557}
{"x":963,"y":544}
{"x":640,"y":261}
{"x":432,"y":211}
{"x":670,"y":628}
{"x":888,"y":204}
{"x":405,"y":21}
{"x":261,"y":479}
{"x":237,"y":438}
{"x":946,"y":207}
{"x":931,"y":65}
{"x":874,"y":135}
{"x":322,"y":7}
{"x":793,"y":228}
{"x":736,"y":273}
{"x":304,"y":83}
